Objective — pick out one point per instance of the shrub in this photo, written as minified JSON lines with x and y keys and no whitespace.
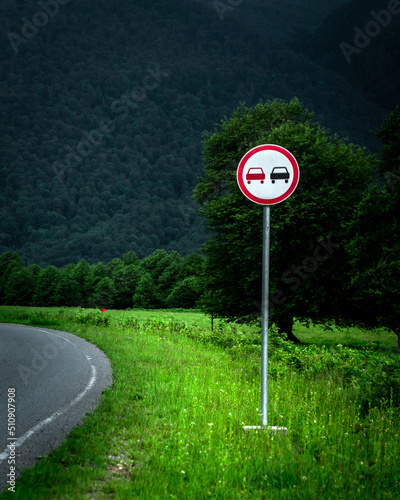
{"x":94,"y":317}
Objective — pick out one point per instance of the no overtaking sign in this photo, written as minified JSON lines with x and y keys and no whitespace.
{"x":268,"y":174}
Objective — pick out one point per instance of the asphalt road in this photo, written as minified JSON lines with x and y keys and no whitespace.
{"x":57,"y":377}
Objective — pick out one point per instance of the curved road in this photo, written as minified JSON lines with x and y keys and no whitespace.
{"x":58,"y":378}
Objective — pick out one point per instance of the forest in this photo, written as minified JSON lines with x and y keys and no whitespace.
{"x":103,"y":107}
{"x":161,"y":280}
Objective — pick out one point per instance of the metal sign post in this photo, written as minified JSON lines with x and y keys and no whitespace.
{"x":267,"y":175}
{"x":264,"y":314}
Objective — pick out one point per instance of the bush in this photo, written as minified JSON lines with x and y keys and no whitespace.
{"x":379,"y":385}
{"x":94,"y":317}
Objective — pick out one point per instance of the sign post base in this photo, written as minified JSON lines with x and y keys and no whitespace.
{"x":270,"y":429}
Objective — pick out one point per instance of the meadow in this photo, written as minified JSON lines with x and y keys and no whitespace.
{"x":171,"y":425}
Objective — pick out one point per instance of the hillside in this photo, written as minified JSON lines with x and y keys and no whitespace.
{"x":103,"y":109}
{"x":359,"y":40}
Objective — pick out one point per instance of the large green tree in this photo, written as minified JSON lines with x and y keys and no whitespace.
{"x":375,"y":244}
{"x":308,"y":265}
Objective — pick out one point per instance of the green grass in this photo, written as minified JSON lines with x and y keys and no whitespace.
{"x":171,"y":426}
{"x":351,"y":337}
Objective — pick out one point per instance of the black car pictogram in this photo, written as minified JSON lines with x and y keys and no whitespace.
{"x":279,"y":173}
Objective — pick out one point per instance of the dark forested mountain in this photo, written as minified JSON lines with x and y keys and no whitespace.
{"x":103,"y":105}
{"x":360,"y":40}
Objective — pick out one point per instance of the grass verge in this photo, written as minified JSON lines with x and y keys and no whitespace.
{"x":171,"y":425}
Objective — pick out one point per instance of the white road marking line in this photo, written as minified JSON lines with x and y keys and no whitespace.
{"x":59,"y":336}
{"x":20,"y":441}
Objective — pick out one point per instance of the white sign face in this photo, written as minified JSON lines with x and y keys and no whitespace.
{"x":268,"y":174}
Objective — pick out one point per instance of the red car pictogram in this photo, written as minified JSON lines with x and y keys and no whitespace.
{"x":255,"y":174}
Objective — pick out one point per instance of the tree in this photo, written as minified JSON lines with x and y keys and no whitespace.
{"x":170,"y":275}
{"x":82,"y":274}
{"x":8,"y":261}
{"x":374,"y":248}
{"x":146,"y":295}
{"x":19,"y":287}
{"x":308,"y":263}
{"x":98,"y":272}
{"x":104,"y":293}
{"x":192,"y":264}
{"x":68,"y":289}
{"x":125,"y":279}
{"x":130,"y":258}
{"x":185,"y":294}
{"x":164,"y":269}
{"x":46,"y":286}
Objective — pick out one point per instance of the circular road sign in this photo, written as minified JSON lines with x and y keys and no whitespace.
{"x":268,"y":174}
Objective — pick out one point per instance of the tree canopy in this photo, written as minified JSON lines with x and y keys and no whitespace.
{"x":374,"y":247}
{"x":308,"y":266}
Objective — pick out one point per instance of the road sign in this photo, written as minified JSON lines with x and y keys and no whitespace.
{"x":268,"y":174}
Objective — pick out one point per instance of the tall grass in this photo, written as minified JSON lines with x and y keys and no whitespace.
{"x":171,"y":426}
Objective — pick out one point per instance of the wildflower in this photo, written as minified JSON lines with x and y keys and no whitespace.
{"x":304,"y":478}
{"x":183,"y":472}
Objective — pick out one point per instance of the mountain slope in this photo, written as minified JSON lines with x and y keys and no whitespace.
{"x":102,"y":112}
{"x":360,"y":41}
